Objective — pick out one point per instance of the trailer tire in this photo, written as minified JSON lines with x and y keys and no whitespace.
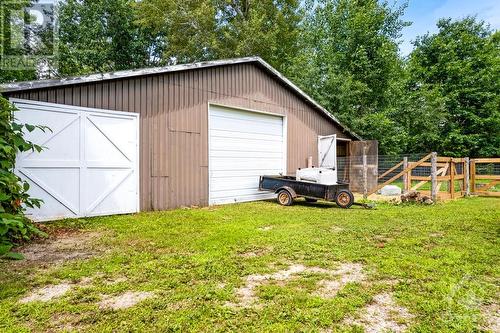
{"x":285,"y":198}
{"x":311,"y":200}
{"x":344,"y":199}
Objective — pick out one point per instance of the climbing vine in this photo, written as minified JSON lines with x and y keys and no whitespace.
{"x":15,"y":227}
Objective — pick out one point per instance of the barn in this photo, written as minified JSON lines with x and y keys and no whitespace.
{"x":158,"y":138}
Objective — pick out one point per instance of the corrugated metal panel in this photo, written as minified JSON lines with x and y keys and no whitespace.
{"x":174,"y":120}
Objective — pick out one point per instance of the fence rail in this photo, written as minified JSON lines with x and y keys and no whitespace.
{"x":485,"y":176}
{"x":430,"y":173}
{"x":439,"y":177}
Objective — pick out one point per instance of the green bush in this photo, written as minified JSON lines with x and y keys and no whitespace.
{"x":15,"y":227}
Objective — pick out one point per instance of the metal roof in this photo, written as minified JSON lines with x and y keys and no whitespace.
{"x":39,"y":84}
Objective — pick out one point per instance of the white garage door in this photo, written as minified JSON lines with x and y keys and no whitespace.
{"x":89,"y":164}
{"x":243,"y":145}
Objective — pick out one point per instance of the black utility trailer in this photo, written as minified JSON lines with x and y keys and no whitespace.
{"x":288,"y":188}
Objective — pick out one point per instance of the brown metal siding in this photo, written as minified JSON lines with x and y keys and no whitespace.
{"x":173,"y":110}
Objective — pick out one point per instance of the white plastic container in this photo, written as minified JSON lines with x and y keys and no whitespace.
{"x":390,"y":190}
{"x":323,"y":176}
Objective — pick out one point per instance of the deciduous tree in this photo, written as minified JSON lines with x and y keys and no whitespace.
{"x":101,"y":36}
{"x":460,"y":65}
{"x":350,"y":63}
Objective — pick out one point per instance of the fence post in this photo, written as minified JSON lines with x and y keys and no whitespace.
{"x":472,"y":176}
{"x":466,"y":176}
{"x":406,"y":188}
{"x":452,"y":179}
{"x":434,"y":176}
{"x":365,"y":173}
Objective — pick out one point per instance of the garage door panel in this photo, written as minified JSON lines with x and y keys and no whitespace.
{"x":242,"y":198}
{"x":245,"y":164}
{"x":236,"y":193}
{"x":243,"y":145}
{"x":222,"y":123}
{"x":90,"y":164}
{"x":228,"y":183}
{"x":223,"y":144}
{"x":243,"y":173}
{"x":237,"y":114}
{"x":245,"y":135}
{"x":246,"y":154}
{"x":244,"y":116}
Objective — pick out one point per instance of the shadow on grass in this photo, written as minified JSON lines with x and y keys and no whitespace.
{"x":302,"y":203}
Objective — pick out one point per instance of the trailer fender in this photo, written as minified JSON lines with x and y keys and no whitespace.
{"x":289,"y":189}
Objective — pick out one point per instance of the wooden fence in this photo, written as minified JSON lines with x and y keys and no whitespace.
{"x":483,"y":179}
{"x":443,"y":178}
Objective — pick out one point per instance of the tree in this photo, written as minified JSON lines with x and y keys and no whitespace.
{"x":460,"y":65}
{"x":197,"y":30}
{"x":350,"y":64}
{"x":266,"y":28}
{"x":102,"y":36}
{"x":6,"y":38}
{"x":187,"y":29}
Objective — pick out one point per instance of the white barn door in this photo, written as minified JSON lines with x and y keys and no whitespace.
{"x":243,"y":145}
{"x":89,"y":165}
{"x":327,"y":151}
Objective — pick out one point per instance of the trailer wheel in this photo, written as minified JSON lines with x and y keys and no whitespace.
{"x":344,"y":199}
{"x":311,"y":200}
{"x":285,"y":198}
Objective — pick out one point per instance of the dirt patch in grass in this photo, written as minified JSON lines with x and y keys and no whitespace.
{"x":246,"y":294}
{"x":382,"y":315}
{"x":336,"y":229}
{"x":47,"y":293}
{"x":59,"y":248}
{"x":65,"y":322}
{"x":124,"y":301}
{"x":257,"y":252}
{"x":491,"y":316}
{"x":117,"y":280}
{"x":266,"y":228}
{"x":346,"y":273}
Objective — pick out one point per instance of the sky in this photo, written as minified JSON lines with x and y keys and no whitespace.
{"x":425,"y":13}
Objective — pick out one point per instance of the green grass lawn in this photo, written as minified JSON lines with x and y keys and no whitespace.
{"x":440,"y":263}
